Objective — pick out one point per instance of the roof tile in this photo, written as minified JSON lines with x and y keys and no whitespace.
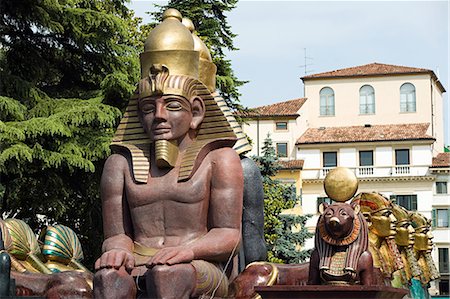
{"x":441,"y":160}
{"x":369,"y":69}
{"x":292,"y":164}
{"x":366,"y":134}
{"x":286,"y":108}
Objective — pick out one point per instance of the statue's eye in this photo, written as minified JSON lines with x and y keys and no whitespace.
{"x":147,"y":107}
{"x":174,"y":106}
{"x":343,"y":213}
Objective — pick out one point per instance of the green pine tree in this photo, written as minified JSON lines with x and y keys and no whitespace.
{"x":66,"y":70}
{"x":212,"y":26}
{"x":292,"y":235}
{"x":282,"y":241}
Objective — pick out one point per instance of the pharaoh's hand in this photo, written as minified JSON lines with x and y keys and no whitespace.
{"x":115,"y":258}
{"x":171,"y":256}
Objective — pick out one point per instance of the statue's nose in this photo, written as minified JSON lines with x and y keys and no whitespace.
{"x":334,"y":221}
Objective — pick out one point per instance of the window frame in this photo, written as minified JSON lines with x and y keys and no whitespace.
{"x":442,"y":190}
{"x":411,"y":201}
{"x":323,"y":159}
{"x":281,"y":129}
{"x":366,"y":95}
{"x":277,"y":149}
{"x":327,"y":103}
{"x":402,"y":150}
{"x":443,"y":260}
{"x":408,"y":101}
{"x":359,"y":156}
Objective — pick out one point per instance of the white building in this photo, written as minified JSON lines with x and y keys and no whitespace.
{"x":385,"y":122}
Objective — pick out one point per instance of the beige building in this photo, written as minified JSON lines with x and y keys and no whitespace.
{"x":282,"y":122}
{"x":384,"y":122}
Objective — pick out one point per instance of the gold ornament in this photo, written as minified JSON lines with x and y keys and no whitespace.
{"x":340,"y":184}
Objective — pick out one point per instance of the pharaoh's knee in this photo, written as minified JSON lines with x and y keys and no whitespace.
{"x":109,"y":277}
{"x":165,"y":271}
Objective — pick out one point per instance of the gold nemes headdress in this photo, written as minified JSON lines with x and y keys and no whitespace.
{"x":170,"y":65}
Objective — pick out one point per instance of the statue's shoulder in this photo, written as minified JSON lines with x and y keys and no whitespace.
{"x":224,"y":155}
{"x":118,"y":161}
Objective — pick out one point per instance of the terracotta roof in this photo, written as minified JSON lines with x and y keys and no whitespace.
{"x":441,"y":160}
{"x":366,"y":134}
{"x":292,"y":164}
{"x":286,"y":108}
{"x":373,"y":69}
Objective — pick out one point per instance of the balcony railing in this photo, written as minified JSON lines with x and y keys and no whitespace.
{"x":371,"y":171}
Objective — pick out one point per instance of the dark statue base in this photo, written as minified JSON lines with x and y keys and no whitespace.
{"x":329,"y":291}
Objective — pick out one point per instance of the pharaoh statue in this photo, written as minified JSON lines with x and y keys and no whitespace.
{"x":172,"y":191}
{"x":253,"y":244}
{"x":341,"y":255}
{"x":382,"y":230}
{"x":423,"y":245}
{"x":405,"y":243}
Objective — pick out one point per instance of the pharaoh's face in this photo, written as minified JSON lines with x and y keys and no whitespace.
{"x":421,"y":240}
{"x":383,"y":223}
{"x":166,"y":117}
{"x":405,"y":234}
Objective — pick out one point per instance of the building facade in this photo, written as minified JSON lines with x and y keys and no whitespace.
{"x":384,"y":122}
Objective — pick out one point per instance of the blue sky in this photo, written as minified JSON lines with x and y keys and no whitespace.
{"x":272,"y":36}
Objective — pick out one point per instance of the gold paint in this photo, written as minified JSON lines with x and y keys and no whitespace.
{"x":206,"y":68}
{"x":166,"y":153}
{"x":340,"y":184}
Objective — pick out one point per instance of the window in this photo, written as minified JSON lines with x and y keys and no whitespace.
{"x":282,"y":150}
{"x":402,"y":157}
{"x":281,"y":125}
{"x":365,"y":158}
{"x":443,"y":260}
{"x":322,"y":200}
{"x":409,"y":202}
{"x":367,"y":100}
{"x":326,"y":101}
{"x":442,"y":217}
{"x":443,"y":287}
{"x":407,"y":98}
{"x":329,"y":159}
{"x":441,"y":187}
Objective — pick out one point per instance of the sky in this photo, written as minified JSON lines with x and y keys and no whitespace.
{"x":276,"y":39}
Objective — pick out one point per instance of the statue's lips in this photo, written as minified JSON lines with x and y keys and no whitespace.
{"x":160,"y":131}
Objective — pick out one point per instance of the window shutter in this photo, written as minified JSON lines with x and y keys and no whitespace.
{"x":448,"y":216}
{"x":414,"y":203}
{"x":433,"y":218}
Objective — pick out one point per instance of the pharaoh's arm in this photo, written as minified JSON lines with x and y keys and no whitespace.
{"x":118,"y":246}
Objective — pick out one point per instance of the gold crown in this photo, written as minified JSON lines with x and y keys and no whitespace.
{"x":372,"y":202}
{"x":400,"y":213}
{"x":170,"y":44}
{"x":206,"y":68}
{"x":170,"y":65}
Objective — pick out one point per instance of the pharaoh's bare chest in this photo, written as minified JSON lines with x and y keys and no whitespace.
{"x":167,"y":189}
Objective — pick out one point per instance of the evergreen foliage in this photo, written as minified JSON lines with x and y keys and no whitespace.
{"x":212,"y":26}
{"x":283,"y":233}
{"x":66,"y":70}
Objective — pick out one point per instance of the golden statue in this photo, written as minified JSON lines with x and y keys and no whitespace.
{"x":405,"y":243}
{"x":381,"y":222}
{"x":423,"y":245}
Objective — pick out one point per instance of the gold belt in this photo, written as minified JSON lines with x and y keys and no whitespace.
{"x":143,"y":253}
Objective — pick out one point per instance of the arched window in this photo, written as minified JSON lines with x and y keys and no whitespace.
{"x":326,"y":101}
{"x":366,"y":100}
{"x":407,"y":98}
